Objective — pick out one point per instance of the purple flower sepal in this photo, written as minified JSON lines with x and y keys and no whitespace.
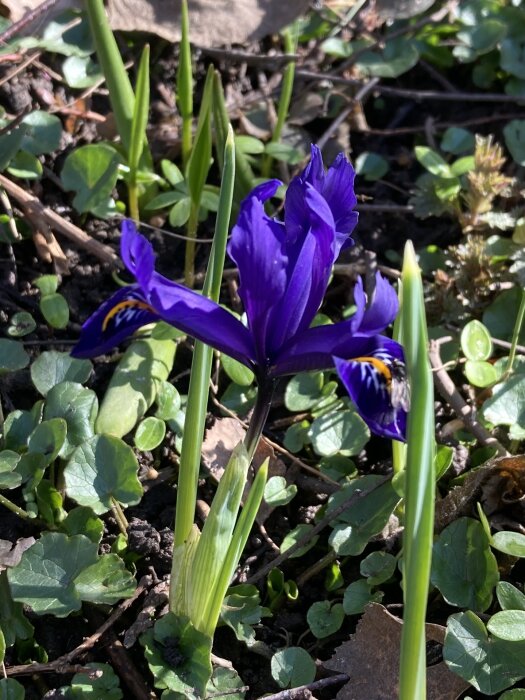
{"x":284,"y":270}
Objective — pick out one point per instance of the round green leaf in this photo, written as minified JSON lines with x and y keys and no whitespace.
{"x":43,"y":132}
{"x":81,"y":71}
{"x":512,"y":543}
{"x":371,"y":166}
{"x":277,"y":493}
{"x":9,"y":479}
{"x":100,"y":470}
{"x":47,"y":438}
{"x":456,"y":141}
{"x":91,"y":172}
{"x":433,"y":162}
{"x":500,"y":316}
{"x":480,"y":373}
{"x":10,"y":689}
{"x":55,"y":310}
{"x":25,"y":166}
{"x":150,"y":433}
{"x":103,"y":685}
{"x":12,"y":356}
{"x":476,"y":342}
{"x":21,"y":324}
{"x":512,"y":56}
{"x":325,"y":618}
{"x":365,"y":517}
{"x":168,"y":401}
{"x":509,"y":625}
{"x":296,"y":436}
{"x":82,"y":521}
{"x":488,"y":663}
{"x":237,"y":372}
{"x":44,"y":577}
{"x":378,"y":567}
{"x":510,"y":597}
{"x":506,"y":406}
{"x":463,"y":566}
{"x":292,"y":667}
{"x":514,"y":694}
{"x":339,"y":431}
{"x":47,"y":284}
{"x":357,"y":596}
{"x":303,"y":391}
{"x":514,"y":133}
{"x":52,"y":367}
{"x":78,"y":406}
{"x":106,"y":581}
{"x":397,"y":58}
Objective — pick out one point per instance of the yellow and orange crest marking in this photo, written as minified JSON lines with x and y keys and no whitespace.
{"x":379,"y":365}
{"x":128,"y":304}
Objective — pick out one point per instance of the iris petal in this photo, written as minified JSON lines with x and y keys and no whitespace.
{"x":257,"y":246}
{"x":338,"y":190}
{"x":381,"y":310}
{"x":117,"y":318}
{"x":137,"y":254}
{"x":374,"y":383}
{"x":308,"y":274}
{"x":201,"y":318}
{"x":314,"y":348}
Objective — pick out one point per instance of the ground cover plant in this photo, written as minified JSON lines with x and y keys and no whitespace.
{"x":261,"y":354}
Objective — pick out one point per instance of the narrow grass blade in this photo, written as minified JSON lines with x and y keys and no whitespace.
{"x":202,"y":359}
{"x":244,"y":180}
{"x":185,"y":84}
{"x":119,"y":86}
{"x":197,"y":173}
{"x":290,"y":46}
{"x":420,"y":483}
{"x":138,"y":130}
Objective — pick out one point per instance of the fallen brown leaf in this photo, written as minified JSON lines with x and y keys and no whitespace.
{"x":371,"y":659}
{"x":217,"y":447}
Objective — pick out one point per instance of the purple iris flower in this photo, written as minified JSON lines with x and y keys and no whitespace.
{"x":284,"y":270}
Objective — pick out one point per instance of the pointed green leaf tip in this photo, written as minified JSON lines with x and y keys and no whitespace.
{"x":410,"y":264}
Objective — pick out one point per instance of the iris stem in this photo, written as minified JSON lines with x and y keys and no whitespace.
{"x":261,"y":409}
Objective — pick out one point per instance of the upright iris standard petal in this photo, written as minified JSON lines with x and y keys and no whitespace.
{"x":337,"y":189}
{"x":257,"y":246}
{"x":380,"y":311}
{"x":310,"y":261}
{"x":377,"y":385}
